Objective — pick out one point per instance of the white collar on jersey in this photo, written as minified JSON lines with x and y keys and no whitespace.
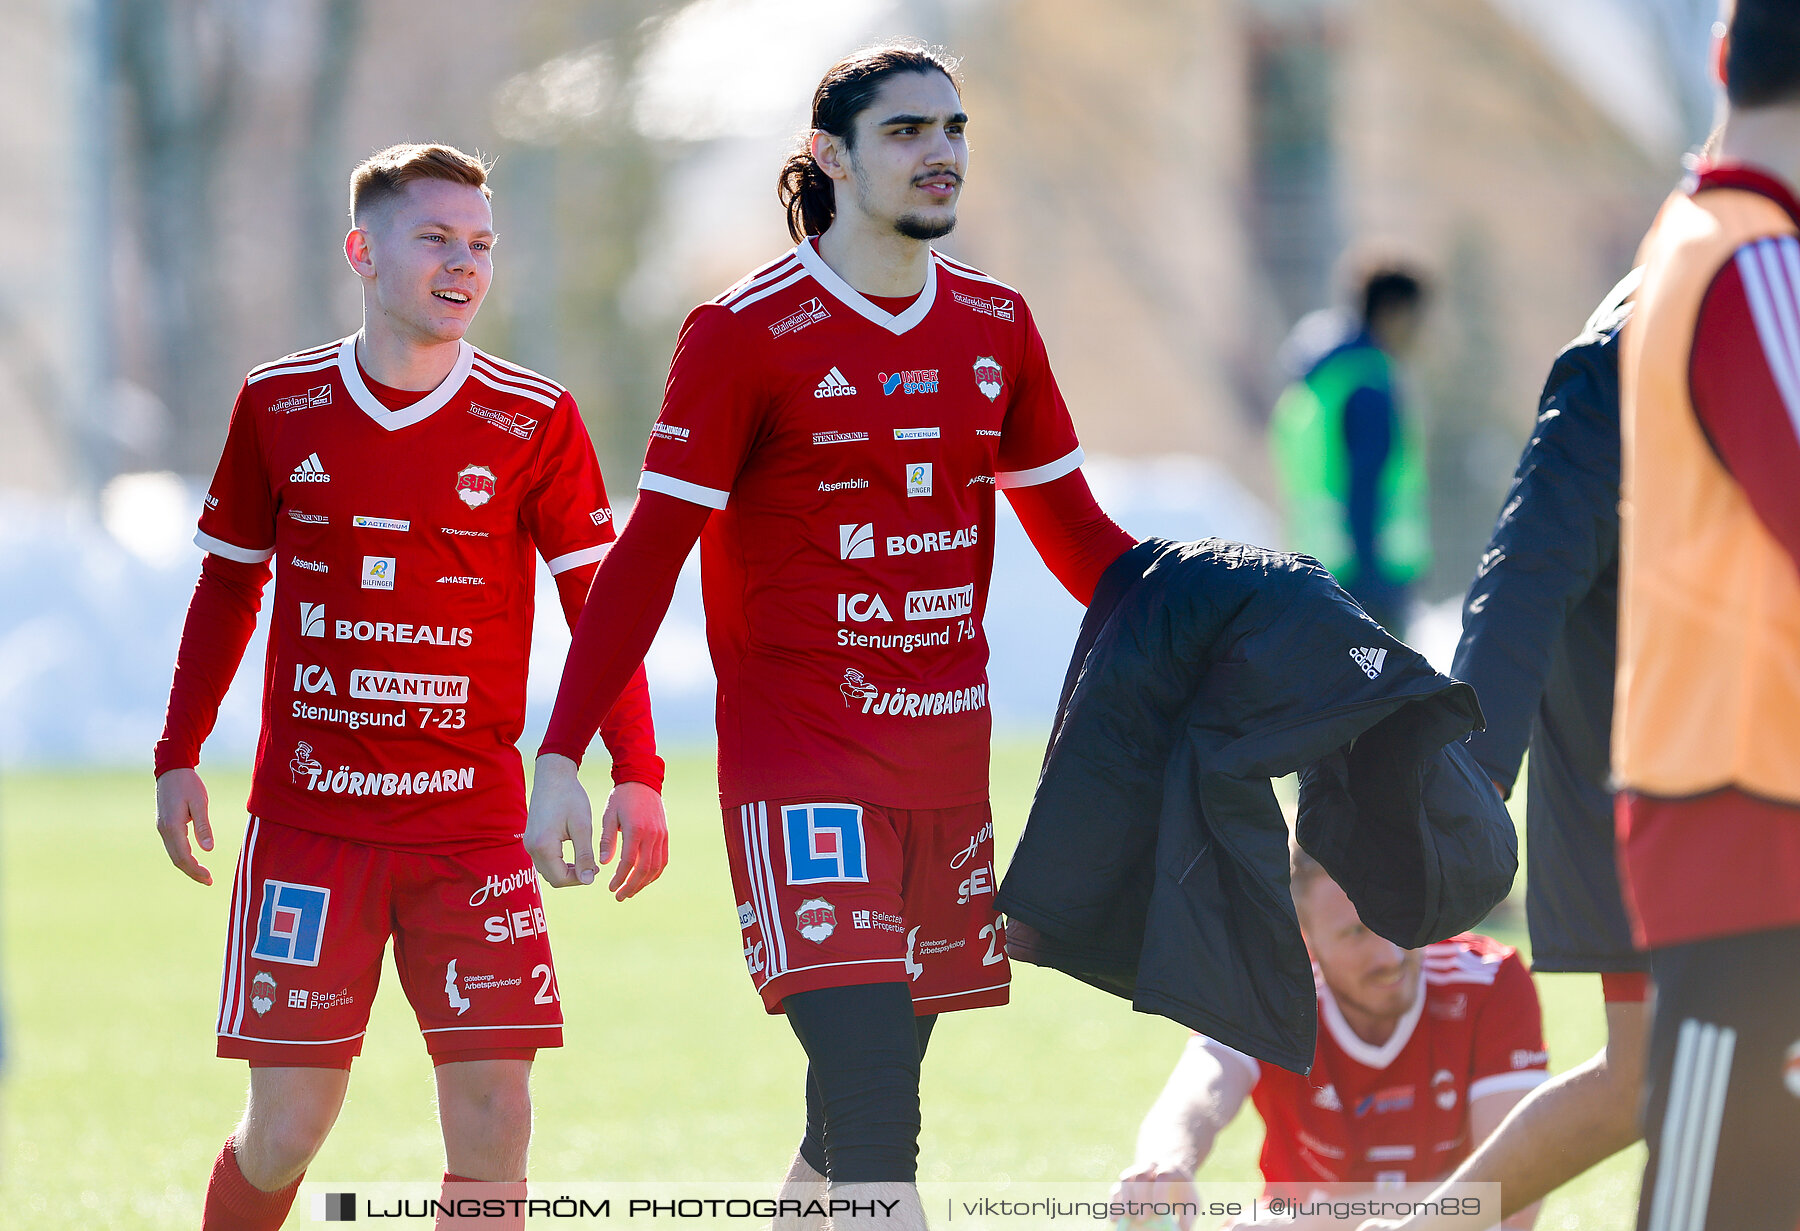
{"x":854,"y":299}
{"x":419,"y":411}
{"x":1367,"y":1054}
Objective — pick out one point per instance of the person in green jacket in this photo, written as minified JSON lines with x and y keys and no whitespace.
{"x":1350,"y":462}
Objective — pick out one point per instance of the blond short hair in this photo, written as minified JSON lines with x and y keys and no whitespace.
{"x":385,"y":174}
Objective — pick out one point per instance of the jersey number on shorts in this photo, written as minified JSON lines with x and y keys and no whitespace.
{"x":291,"y":927}
{"x":824,"y":843}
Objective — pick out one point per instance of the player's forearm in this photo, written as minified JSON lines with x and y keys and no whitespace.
{"x":629,"y":732}
{"x":630,"y":596}
{"x":1075,"y":537}
{"x":1201,"y":1097}
{"x":221,"y":617}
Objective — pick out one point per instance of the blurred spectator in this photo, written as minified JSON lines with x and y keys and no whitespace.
{"x":1350,"y":462}
{"x":1539,"y":644}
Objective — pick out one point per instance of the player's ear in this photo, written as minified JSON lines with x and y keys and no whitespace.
{"x":358,"y":251}
{"x":829,"y":154}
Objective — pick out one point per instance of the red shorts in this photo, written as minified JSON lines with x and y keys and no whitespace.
{"x":832,"y":892}
{"x":311,"y":915}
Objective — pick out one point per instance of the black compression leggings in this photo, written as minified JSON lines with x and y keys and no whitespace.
{"x":863,"y":1048}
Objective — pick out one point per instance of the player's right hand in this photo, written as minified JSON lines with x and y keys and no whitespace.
{"x":181,"y":797}
{"x":559,"y":813}
{"x":1155,"y":1184}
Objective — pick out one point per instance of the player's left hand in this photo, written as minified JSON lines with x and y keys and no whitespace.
{"x":635,"y":824}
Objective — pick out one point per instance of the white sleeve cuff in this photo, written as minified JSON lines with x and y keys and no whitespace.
{"x":575,"y":559}
{"x":219,"y":547}
{"x":681,"y":489}
{"x":1040,"y":474}
{"x":1501,"y":1083}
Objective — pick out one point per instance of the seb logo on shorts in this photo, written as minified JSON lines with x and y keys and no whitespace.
{"x":291,"y":927}
{"x":824,"y":843}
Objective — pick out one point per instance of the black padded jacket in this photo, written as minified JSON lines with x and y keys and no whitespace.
{"x":1154,"y":862}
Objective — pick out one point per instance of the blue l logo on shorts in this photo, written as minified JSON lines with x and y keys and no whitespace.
{"x":824,"y":843}
{"x":291,"y":927}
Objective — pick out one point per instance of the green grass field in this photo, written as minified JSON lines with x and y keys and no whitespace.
{"x":114,"y":1106}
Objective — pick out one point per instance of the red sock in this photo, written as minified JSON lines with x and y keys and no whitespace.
{"x":235,"y":1204}
{"x":462,"y":1188}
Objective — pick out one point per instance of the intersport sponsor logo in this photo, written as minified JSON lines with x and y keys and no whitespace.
{"x":906,"y":702}
{"x":368,"y":685}
{"x":947,"y":604}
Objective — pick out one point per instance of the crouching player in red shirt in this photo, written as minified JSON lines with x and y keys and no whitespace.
{"x":833,"y":433}
{"x":400,"y":479}
{"x":1421,"y":1054}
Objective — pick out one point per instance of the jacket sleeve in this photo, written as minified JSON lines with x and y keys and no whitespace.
{"x":1557,"y":532}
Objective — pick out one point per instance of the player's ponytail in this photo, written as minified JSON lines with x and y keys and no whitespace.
{"x":846,"y":90}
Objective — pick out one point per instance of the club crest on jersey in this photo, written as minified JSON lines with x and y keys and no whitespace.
{"x":816,"y":919}
{"x":1443,"y":1089}
{"x":291,"y":927}
{"x":824,"y":843}
{"x":475,"y":485}
{"x":988,"y":376}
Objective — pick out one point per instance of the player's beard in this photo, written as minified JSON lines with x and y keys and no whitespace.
{"x":920,"y":226}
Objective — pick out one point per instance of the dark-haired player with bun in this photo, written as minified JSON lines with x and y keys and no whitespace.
{"x":402,"y":482}
{"x":833,"y":433}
